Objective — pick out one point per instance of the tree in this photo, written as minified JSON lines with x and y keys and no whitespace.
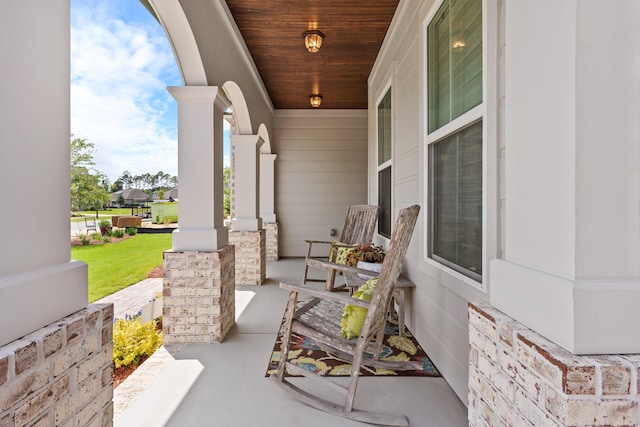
{"x":226,"y":182}
{"x":118,"y":185}
{"x":87,"y":184}
{"x":126,"y":179}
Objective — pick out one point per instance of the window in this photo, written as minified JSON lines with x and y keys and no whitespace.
{"x":454,"y":75}
{"x":456,"y":216}
{"x":384,"y":165}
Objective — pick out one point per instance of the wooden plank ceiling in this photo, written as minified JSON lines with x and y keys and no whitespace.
{"x":354,"y":31}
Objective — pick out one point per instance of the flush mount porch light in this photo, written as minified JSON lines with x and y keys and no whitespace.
{"x":313,"y":40}
{"x":315,"y":100}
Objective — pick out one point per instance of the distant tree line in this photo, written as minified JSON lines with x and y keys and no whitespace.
{"x":146,"y":182}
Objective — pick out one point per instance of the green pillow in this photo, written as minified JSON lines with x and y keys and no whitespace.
{"x":353,"y":316}
{"x":341,"y":253}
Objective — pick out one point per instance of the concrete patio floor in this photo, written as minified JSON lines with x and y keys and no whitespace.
{"x":225,"y":385}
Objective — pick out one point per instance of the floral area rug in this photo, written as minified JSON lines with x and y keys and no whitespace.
{"x":306,"y":354}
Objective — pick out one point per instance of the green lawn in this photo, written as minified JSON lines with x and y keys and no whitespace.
{"x":114,"y":266}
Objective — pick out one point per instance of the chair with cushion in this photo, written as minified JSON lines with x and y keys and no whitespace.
{"x":320,"y":319}
{"x":359,"y":226}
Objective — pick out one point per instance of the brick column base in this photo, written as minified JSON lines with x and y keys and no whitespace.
{"x":519,"y":378}
{"x":272,"y":240}
{"x":198,"y":295}
{"x":61,"y":374}
{"x":251,"y":260}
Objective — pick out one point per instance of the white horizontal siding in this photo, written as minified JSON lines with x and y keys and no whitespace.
{"x":321,"y":168}
{"x":437,"y":312}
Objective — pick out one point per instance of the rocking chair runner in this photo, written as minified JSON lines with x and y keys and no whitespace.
{"x":358,"y":228}
{"x":319,"y":320}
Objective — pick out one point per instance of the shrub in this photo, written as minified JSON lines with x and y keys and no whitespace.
{"x":133,"y":342}
{"x":104,"y":223}
{"x":84,"y":239}
{"x":118,"y":233}
{"x":131,"y":231}
{"x":96,"y":236}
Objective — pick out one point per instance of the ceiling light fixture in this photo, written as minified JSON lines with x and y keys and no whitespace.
{"x":315,"y":100}
{"x":313,"y":40}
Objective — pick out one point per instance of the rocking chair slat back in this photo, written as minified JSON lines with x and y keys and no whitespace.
{"x":391,"y":268}
{"x":359,"y":224}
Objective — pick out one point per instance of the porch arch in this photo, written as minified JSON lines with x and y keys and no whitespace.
{"x":264,"y":134}
{"x":185,"y":49}
{"x":239,"y":108}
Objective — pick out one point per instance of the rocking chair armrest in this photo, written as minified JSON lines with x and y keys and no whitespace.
{"x":337,"y":297}
{"x":327,"y":265}
{"x":318,"y":242}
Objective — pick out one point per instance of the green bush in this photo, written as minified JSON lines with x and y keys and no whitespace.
{"x":118,"y":233}
{"x":131,"y":231}
{"x":84,"y":239}
{"x":133,"y":342}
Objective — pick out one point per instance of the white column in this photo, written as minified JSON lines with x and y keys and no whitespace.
{"x":572,"y":243}
{"x":200,"y":168}
{"x":247,"y":183}
{"x":38,"y":282}
{"x":267,"y":187}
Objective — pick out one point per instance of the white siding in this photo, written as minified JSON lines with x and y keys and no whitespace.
{"x":321,"y":169}
{"x":437,"y":312}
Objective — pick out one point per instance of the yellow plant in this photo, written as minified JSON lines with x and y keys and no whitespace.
{"x":132,"y":341}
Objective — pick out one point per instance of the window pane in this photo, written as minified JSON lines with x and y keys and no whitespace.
{"x":384,"y":129}
{"x":454,"y":61}
{"x":384,"y":200}
{"x":457,"y":199}
{"x":438,"y":68}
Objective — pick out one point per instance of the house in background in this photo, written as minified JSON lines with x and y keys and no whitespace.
{"x":513,"y":124}
{"x":128,"y":197}
{"x":168,"y":194}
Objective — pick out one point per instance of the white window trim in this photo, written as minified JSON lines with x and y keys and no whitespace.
{"x":487,"y":111}
{"x":379,"y":96}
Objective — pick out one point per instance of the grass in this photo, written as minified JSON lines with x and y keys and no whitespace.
{"x":114,"y":266}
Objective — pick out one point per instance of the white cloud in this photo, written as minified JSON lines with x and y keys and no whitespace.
{"x":120,"y":68}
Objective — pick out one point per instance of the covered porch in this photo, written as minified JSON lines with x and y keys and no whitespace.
{"x":553,"y":136}
{"x":226,"y":382}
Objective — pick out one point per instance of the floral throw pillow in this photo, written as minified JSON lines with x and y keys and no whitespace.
{"x":340,"y":252}
{"x":353,"y":316}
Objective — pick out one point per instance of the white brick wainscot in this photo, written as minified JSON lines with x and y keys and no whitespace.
{"x":519,"y":378}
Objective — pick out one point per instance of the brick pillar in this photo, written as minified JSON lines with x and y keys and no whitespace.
{"x":271,"y":228}
{"x":251,"y":265}
{"x":61,"y":374}
{"x":198,"y":295}
{"x":519,"y":378}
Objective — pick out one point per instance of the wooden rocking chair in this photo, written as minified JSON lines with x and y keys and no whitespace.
{"x":358,"y":228}
{"x":319,"y":320}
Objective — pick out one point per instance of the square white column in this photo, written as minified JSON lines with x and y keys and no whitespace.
{"x":267,"y":187}
{"x":247,"y":183}
{"x":571,"y":270}
{"x":200,"y":168}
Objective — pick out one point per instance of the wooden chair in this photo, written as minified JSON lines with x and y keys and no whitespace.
{"x":319,"y":320}
{"x":359,"y":226}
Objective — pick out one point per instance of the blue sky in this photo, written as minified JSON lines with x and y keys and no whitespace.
{"x":121,"y":65}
